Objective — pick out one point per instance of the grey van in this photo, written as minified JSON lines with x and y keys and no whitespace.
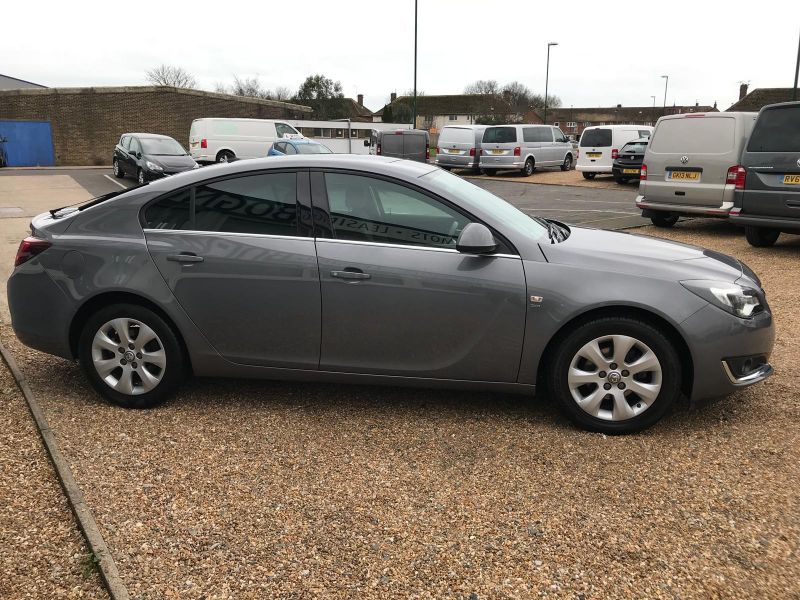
{"x":523,"y":148}
{"x":690,"y":165}
{"x":459,"y":147}
{"x":767,"y":202}
{"x":413,"y":144}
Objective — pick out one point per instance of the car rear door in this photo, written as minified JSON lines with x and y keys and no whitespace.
{"x":772,"y":161}
{"x":242,"y":264}
{"x":398,"y":299}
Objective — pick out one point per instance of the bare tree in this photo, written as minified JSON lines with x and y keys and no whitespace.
{"x":281,"y":93}
{"x":221,"y":88}
{"x":172,"y":76}
{"x":483,"y":86}
{"x":247,"y":86}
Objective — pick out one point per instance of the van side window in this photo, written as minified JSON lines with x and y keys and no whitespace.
{"x":644,"y":133}
{"x":500,"y":135}
{"x":529,"y":134}
{"x":281,"y":128}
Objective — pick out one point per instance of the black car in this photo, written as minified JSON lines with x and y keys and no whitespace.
{"x":767,"y":196}
{"x":628,"y":163}
{"x":149,"y":156}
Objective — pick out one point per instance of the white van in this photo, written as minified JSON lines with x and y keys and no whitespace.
{"x":221,"y":140}
{"x":601,"y":144}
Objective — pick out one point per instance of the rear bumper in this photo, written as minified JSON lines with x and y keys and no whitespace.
{"x":457,"y":161}
{"x":502,"y":162}
{"x":787,"y":225}
{"x":593,"y":168}
{"x":709,"y":211}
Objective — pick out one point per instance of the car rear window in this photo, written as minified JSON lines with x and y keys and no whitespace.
{"x":777,"y":130}
{"x":695,"y":135}
{"x":634,"y":148}
{"x":596,"y":137}
{"x":500,"y":135}
{"x":457,"y":135}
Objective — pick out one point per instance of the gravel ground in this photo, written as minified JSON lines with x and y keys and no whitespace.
{"x":276,"y":490}
{"x":42,"y":553}
{"x":555,"y":176}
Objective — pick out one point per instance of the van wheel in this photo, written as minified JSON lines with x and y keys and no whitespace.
{"x":588,"y":175}
{"x":761,"y":237}
{"x":664,"y":220}
{"x":489,"y":172}
{"x":225,"y":156}
{"x":567,"y":163}
{"x":529,"y":167}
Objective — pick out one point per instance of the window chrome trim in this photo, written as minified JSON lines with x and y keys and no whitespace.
{"x":229,"y":233}
{"x":410,"y":247}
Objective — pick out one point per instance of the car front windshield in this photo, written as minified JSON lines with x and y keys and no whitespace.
{"x":162,"y":147}
{"x":312,"y":149}
{"x":508,"y":215}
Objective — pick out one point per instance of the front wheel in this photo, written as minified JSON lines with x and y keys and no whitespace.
{"x":489,"y":172}
{"x":761,"y":237}
{"x":664,"y":220}
{"x":615,"y":375}
{"x":567,"y":163}
{"x":588,"y":175}
{"x":117,"y":170}
{"x":131,"y":356}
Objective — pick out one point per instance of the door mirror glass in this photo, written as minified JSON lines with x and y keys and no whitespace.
{"x":476,"y":238}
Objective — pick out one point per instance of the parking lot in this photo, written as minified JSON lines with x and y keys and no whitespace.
{"x":253,"y":489}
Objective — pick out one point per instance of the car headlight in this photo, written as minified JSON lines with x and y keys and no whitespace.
{"x":153,"y":166}
{"x":741,"y":301}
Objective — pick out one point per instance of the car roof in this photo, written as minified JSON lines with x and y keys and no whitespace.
{"x":149,"y":135}
{"x":302,"y":141}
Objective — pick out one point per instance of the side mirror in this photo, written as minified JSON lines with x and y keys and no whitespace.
{"x":138,"y":155}
{"x":366,"y":143}
{"x":476,"y":238}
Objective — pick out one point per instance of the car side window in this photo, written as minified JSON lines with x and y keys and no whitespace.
{"x":134,"y":147}
{"x":281,"y":128}
{"x":264,"y":204}
{"x":169,"y":212}
{"x":290,"y":149}
{"x":124,"y":141}
{"x":280,"y":147}
{"x":375,"y":210}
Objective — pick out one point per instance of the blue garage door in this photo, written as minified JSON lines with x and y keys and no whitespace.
{"x":26,"y":143}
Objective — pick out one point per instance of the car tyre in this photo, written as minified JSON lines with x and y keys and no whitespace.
{"x":664,"y":220}
{"x":567,"y":163}
{"x":588,"y":175}
{"x":529,"y":167}
{"x":140,"y":177}
{"x":224,"y":156}
{"x":615,"y":408}
{"x":124,"y":367}
{"x":761,"y":237}
{"x":118,"y":173}
{"x":490,"y":172}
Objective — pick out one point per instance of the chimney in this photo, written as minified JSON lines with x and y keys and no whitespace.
{"x":619,"y":105}
{"x":393,"y":97}
{"x":361,"y":99}
{"x":743,"y":90}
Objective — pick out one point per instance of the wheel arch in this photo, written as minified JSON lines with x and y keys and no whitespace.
{"x":621,"y":310}
{"x":117,"y":297}
{"x":224,"y":149}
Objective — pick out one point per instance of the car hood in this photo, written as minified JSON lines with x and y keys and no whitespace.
{"x":172,"y":162}
{"x":619,"y":252}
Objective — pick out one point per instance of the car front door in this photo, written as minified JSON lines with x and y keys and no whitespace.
{"x":236,"y":256}
{"x":398,"y":299}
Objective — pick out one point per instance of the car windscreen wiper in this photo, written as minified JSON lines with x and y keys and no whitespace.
{"x":92,"y":201}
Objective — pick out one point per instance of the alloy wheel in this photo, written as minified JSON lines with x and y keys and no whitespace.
{"x":128,"y":356}
{"x":615,"y":377}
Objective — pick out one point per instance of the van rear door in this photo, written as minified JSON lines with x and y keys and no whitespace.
{"x":415,"y":145}
{"x":772,"y":160}
{"x":688,"y":160}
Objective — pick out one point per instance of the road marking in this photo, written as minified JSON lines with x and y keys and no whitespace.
{"x":124,"y":187}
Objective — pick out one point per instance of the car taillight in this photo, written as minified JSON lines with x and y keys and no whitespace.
{"x":28,"y":248}
{"x":378,"y":149}
{"x":643,"y":173}
{"x":614,"y":154}
{"x":517,"y":151}
{"x":472,"y":151}
{"x":737,"y":176}
{"x":204,"y":143}
{"x":427,"y":152}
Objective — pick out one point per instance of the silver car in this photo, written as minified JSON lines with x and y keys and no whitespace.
{"x":523,"y":148}
{"x":381,"y":271}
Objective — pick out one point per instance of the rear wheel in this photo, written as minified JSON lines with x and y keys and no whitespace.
{"x":567,"y":163}
{"x":117,"y":170}
{"x":489,"y":172}
{"x":664,"y":220}
{"x":529,"y":167}
{"x":225,"y":156}
{"x":761,"y":237}
{"x":588,"y":175}
{"x":131,"y":356}
{"x":615,"y":375}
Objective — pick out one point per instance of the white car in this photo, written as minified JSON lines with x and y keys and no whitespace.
{"x":222,"y":140}
{"x":600,"y":145}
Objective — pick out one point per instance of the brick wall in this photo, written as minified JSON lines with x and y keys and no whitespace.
{"x":87,"y":122}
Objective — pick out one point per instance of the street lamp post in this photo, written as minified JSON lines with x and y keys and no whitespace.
{"x":666,"y":83}
{"x":796,"y":71}
{"x":547,"y":78}
{"x":414,"y":121}
{"x":654,"y":109}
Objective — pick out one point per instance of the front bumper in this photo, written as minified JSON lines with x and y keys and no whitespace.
{"x":716,"y":340}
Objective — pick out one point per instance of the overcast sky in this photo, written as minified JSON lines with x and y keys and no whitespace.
{"x":608,"y":53}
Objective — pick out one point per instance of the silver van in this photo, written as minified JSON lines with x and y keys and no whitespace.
{"x":523,"y":148}
{"x":459,"y":147}
{"x":412,"y":144}
{"x":691,"y":165}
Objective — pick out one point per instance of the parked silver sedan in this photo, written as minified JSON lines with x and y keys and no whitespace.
{"x":377,"y":270}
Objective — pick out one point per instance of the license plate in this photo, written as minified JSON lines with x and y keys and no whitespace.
{"x":631,"y":171}
{"x":497,"y":151}
{"x":791,"y":179}
{"x":594,"y":154}
{"x":685,"y":175}
{"x":453,"y":151}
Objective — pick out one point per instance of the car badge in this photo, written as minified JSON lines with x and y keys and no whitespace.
{"x":684,"y":159}
{"x":798,"y":162}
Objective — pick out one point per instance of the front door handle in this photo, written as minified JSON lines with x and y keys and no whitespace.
{"x":352,"y":275}
{"x":185,"y":257}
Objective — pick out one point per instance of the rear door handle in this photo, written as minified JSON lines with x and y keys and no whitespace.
{"x":350,"y":275}
{"x":185,"y":257}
